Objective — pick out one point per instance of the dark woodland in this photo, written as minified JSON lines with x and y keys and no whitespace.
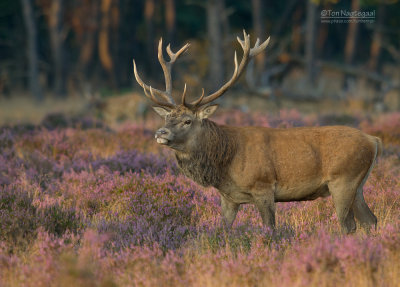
{"x":59,"y":48}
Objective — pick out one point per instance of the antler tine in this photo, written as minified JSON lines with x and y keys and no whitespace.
{"x":147,"y":88}
{"x":184,"y":96}
{"x":141,"y":83}
{"x":221,"y":91}
{"x":154,"y":99}
{"x":167,"y":74}
{"x":198,"y":101}
{"x":248,"y":53}
{"x":167,"y":66}
{"x":174,"y":56}
{"x":257,"y":49}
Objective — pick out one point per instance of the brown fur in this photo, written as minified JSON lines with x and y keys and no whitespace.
{"x":209,"y":160}
{"x":264,"y":165}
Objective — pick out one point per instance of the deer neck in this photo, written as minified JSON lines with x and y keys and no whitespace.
{"x":207,"y":161}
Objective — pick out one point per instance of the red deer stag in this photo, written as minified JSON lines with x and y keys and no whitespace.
{"x":264,"y":165}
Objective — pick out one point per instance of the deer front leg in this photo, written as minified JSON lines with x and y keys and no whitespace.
{"x":229,"y":211}
{"x":265,"y":203}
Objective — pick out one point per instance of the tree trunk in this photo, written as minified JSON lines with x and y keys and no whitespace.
{"x":351,"y":35}
{"x":376,"y":44}
{"x":351,"y":38}
{"x":86,"y":53}
{"x":87,"y":18}
{"x":170,"y":19}
{"x":297,"y":35}
{"x":215,"y":39}
{"x":34,"y":85}
{"x":115,"y":21}
{"x":259,"y":31}
{"x":323,"y":32}
{"x":310,"y":42}
{"x":149,"y":15}
{"x":104,"y":40}
{"x":375,"y":50}
{"x":57,"y":47}
{"x":290,"y":7}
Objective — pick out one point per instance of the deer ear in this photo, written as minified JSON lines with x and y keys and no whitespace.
{"x":161,"y":111}
{"x":206,"y":111}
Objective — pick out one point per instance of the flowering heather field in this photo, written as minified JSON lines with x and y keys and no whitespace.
{"x":85,"y":205}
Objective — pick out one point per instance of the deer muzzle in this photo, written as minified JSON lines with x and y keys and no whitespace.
{"x":163,"y":136}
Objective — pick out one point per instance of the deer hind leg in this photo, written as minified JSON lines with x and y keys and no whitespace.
{"x":229,"y":211}
{"x":361,"y":210}
{"x":343,"y":196}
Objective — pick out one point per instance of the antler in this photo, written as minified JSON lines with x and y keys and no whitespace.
{"x":166,"y":66}
{"x":248,"y":53}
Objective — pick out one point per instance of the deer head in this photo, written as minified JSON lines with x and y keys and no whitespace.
{"x":183,"y":121}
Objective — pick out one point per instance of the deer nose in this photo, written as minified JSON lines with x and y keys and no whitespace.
{"x":162,"y":132}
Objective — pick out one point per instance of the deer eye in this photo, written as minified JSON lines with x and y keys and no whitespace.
{"x":188,"y":122}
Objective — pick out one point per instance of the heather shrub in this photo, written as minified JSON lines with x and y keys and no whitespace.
{"x":9,"y":168}
{"x":9,"y":162}
{"x":6,"y":139}
{"x":134,"y":161}
{"x":147,"y":209}
{"x":287,"y":119}
{"x":239,"y":118}
{"x":59,"y":120}
{"x":58,"y":220}
{"x":18,"y":220}
{"x":40,"y":168}
{"x":88,"y":266}
{"x":63,"y":144}
{"x":342,"y":119}
{"x":135,"y":207}
{"x":386,"y":126}
{"x":108,"y":208}
{"x":239,"y":239}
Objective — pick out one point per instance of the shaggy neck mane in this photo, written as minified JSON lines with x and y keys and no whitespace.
{"x":207,"y":163}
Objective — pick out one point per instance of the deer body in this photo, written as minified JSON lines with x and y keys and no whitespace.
{"x":298,"y":163}
{"x":261,"y":165}
{"x":279,"y":165}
